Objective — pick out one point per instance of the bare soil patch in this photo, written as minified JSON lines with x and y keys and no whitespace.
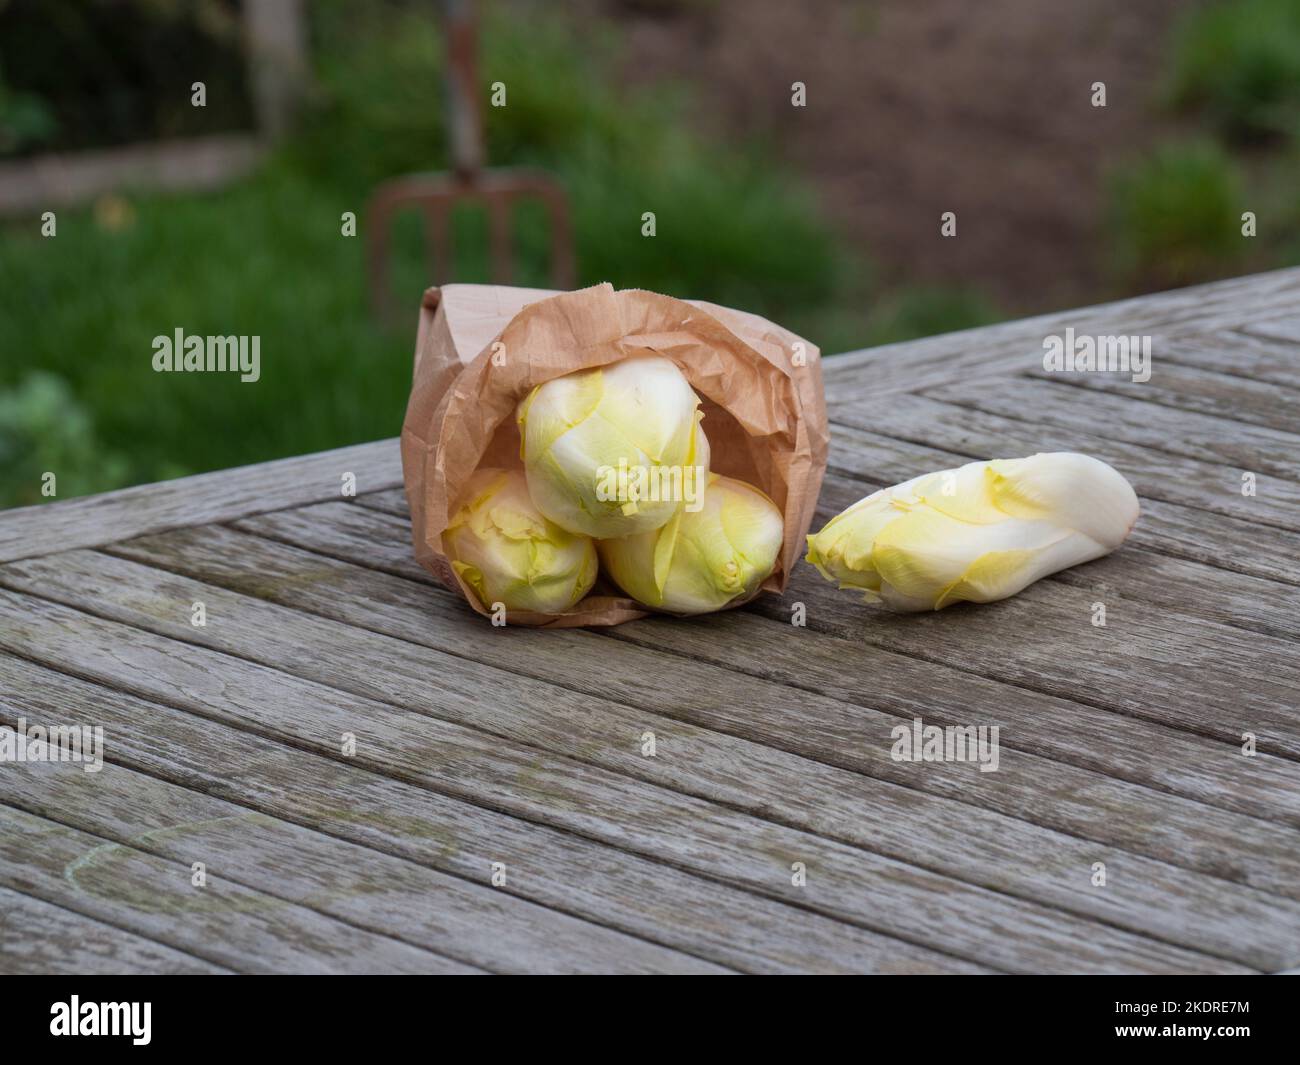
{"x":917,"y":108}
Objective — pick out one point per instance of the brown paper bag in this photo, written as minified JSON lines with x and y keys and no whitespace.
{"x":482,"y":348}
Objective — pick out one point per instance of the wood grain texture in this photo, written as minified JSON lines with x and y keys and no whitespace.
{"x":223,"y":922}
{"x":207,"y":497}
{"x":1248,"y":354}
{"x":563,"y":871}
{"x":389,"y":501}
{"x":969,"y":434}
{"x":1122,"y":744}
{"x":1247,"y":448}
{"x":1011,"y":855}
{"x":1285,"y":327}
{"x":1064,"y":729}
{"x":1017,"y":347}
{"x":38,"y":937}
{"x":849,"y":884}
{"x":471,"y":922}
{"x":409,"y":616}
{"x":1202,"y":391}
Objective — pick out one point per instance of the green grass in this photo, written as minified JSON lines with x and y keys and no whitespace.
{"x":1239,"y":64}
{"x":1175,"y":217}
{"x":265,"y":257}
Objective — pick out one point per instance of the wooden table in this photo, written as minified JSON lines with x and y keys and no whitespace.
{"x":499,"y":811}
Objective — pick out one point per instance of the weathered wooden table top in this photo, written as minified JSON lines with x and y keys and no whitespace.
{"x":499,"y":813}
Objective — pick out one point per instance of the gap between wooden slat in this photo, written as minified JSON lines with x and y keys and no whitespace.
{"x":1181,"y":360}
{"x":1274,"y":329}
{"x":992,"y":892}
{"x":805,"y":755}
{"x":288,"y":905}
{"x":839,"y":917}
{"x":408,"y":569}
{"x":1268,"y":438}
{"x":1164,"y":396}
{"x":1073,"y":696}
{"x":945,"y":454}
{"x":593,"y":959}
{"x":114,"y":930}
{"x":566,"y":857}
{"x":228,"y":879}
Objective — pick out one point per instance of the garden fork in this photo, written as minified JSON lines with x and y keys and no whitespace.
{"x":437,"y":194}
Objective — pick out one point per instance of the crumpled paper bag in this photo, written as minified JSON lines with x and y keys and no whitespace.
{"x":482,"y":348}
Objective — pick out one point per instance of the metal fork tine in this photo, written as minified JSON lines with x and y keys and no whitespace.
{"x":499,"y":219}
{"x":438,"y":240}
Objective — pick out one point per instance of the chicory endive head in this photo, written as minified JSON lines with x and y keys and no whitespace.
{"x":980,"y":532}
{"x":503,"y":548}
{"x":702,"y":559}
{"x":607,"y":449}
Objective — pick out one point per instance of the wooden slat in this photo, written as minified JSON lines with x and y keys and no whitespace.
{"x":1183,"y":587}
{"x":389,"y":501}
{"x":1142,"y":572}
{"x":1237,"y":399}
{"x":974,"y":434}
{"x":1012,"y":856}
{"x":1178,"y":669}
{"x":1249,"y":448}
{"x":1233,"y":544}
{"x":389,"y":896}
{"x":38,"y":937}
{"x":346,"y":533}
{"x":224,"y":923}
{"x":1063,"y":729}
{"x":845,"y":882}
{"x":420,"y":617}
{"x":1017,"y":346}
{"x":647,"y":898}
{"x":1282,"y":327}
{"x":1119,"y":744}
{"x":1250,"y":356}
{"x":208,"y":497}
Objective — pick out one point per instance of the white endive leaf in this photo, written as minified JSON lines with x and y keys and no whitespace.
{"x":638,"y":413}
{"x":503,"y":548}
{"x":701,"y":560}
{"x":978,"y":533}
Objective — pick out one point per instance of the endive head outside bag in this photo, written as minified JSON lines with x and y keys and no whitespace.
{"x":483,"y":348}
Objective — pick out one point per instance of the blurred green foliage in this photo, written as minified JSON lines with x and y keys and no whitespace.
{"x":1239,"y":64}
{"x":1175,"y":216}
{"x":265,"y":256}
{"x":26,"y":119}
{"x":43,"y":430}
{"x":730,"y":225}
{"x":924,"y":310}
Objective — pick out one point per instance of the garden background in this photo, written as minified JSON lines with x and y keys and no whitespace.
{"x":824,"y":217}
